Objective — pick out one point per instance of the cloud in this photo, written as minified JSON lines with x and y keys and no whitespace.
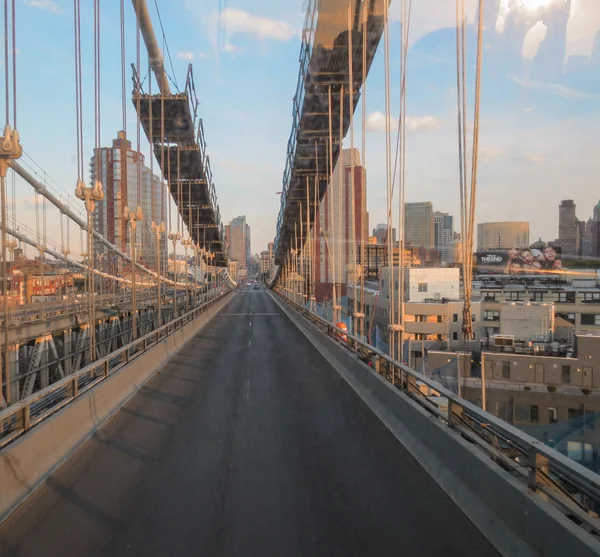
{"x":48,"y":5}
{"x":203,"y":55}
{"x":553,"y":89}
{"x":414,"y":124}
{"x":262,"y":28}
{"x":376,"y":122}
{"x":185,"y":55}
{"x":421,"y":124}
{"x":534,"y":159}
{"x":486,"y":154}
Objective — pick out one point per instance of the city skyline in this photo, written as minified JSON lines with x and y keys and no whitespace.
{"x":554,"y":115}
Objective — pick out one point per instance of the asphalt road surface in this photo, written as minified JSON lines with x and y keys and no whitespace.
{"x":247,"y":444}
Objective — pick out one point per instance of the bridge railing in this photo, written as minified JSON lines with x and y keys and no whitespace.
{"x":21,"y":417}
{"x":574,"y":489}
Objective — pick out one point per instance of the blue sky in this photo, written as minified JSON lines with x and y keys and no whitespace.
{"x":539,"y":143}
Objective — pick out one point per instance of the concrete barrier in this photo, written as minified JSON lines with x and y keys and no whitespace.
{"x":514,"y":519}
{"x":27,"y":462}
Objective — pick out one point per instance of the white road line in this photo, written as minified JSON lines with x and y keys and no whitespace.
{"x":247,"y":396}
{"x":242,"y":314}
{"x":249,"y":343}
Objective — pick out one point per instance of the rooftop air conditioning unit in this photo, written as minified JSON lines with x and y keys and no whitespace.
{"x":504,"y":341}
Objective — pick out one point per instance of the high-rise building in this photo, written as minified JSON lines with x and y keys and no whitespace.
{"x":238,"y":233}
{"x":502,"y":235}
{"x":444,"y":232}
{"x":596,"y":231}
{"x":126,"y":181}
{"x":265,"y":264}
{"x":569,"y":230}
{"x":334,"y":252}
{"x":419,"y":225}
{"x":381,"y":233}
{"x":587,"y":238}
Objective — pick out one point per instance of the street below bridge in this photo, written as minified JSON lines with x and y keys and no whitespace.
{"x":247,"y":444}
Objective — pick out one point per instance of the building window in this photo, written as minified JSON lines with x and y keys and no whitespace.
{"x":489,"y":315}
{"x":455,"y":318}
{"x":473,"y":318}
{"x":534,"y":414}
{"x":574,"y":413}
{"x":570,"y":317}
{"x":522,"y":413}
{"x":489,"y":296}
{"x":440,"y":318}
{"x":505,"y":370}
{"x":552,"y":415}
{"x":515,"y":296}
{"x":566,"y":374}
{"x":454,"y":335}
{"x":501,"y":410}
{"x":538,"y":297}
{"x":422,"y":287}
{"x":440,"y":337}
{"x":566,"y":297}
{"x":590,"y":319}
{"x":591,"y":297}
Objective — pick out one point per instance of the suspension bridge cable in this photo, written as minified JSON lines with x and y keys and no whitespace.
{"x":406,"y":17}
{"x":352,"y":168}
{"x":123,"y":77}
{"x":363,"y":196}
{"x":339,"y":235}
{"x":389,"y":184}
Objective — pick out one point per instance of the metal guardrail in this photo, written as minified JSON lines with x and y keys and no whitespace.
{"x":22,"y":416}
{"x":574,"y":489}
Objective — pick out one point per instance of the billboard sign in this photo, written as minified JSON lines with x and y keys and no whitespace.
{"x":519,"y":261}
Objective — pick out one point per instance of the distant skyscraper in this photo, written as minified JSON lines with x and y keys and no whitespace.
{"x":239,"y":241}
{"x":587,"y":239}
{"x":569,"y":230}
{"x":419,"y":225}
{"x":502,"y":235}
{"x":381,"y":232}
{"x":444,"y":232}
{"x":596,"y":230}
{"x":339,"y":230}
{"x":118,"y":172}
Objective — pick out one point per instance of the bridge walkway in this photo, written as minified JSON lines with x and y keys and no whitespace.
{"x":247,"y":444}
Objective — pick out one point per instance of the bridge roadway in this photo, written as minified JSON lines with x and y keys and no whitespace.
{"x":247,"y":444}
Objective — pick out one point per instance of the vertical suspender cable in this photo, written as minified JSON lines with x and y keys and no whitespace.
{"x":340,"y":190}
{"x":330,"y":231}
{"x":352,"y":215}
{"x":390,"y":244}
{"x":6,"y":64}
{"x":363,"y":192}
{"x":406,"y":13}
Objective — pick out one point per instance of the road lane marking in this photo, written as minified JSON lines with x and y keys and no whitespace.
{"x":247,"y":395}
{"x":242,"y":314}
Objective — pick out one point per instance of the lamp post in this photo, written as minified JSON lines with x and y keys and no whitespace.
{"x":90,"y":196}
{"x":196,"y":249}
{"x":186,"y":243}
{"x":133,"y":217}
{"x":175,"y":237}
{"x":210,"y":256}
{"x":158,"y":230}
{"x":10,"y":149}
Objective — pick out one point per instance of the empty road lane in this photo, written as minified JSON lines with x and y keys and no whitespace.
{"x":247,"y":444}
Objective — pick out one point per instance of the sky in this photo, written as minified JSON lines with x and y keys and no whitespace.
{"x":540,"y":112}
